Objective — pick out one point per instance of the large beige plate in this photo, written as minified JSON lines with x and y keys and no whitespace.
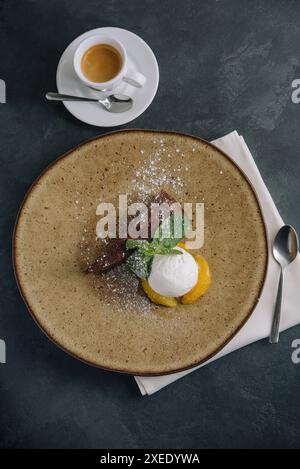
{"x":106,"y":321}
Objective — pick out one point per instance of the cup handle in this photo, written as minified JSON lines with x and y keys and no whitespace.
{"x":134,"y":78}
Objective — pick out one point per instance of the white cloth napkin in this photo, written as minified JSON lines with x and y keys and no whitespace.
{"x":259,"y":324}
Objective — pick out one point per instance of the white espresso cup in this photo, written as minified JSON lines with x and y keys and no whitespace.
{"x":131,"y":77}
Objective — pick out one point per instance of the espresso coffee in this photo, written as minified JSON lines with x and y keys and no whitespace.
{"x":101,"y":63}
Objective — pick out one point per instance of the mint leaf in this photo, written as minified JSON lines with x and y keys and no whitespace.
{"x":166,"y":250}
{"x":140,"y":263}
{"x":175,"y":251}
{"x":171,"y":231}
{"x":137,"y":243}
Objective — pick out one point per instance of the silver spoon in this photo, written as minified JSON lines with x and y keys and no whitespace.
{"x":112,"y":103}
{"x":285,"y":249}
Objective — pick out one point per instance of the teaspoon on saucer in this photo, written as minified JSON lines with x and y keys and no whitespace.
{"x":112,"y":103}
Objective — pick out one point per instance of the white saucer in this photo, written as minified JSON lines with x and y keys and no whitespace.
{"x":140,"y":58}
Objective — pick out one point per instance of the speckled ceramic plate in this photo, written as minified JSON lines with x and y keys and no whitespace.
{"x":107,"y":321}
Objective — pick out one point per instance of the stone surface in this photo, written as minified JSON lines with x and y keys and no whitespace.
{"x":224,"y":65}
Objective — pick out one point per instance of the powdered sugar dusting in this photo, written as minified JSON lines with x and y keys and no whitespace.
{"x":150,"y":176}
{"x":120,"y":288}
{"x":159,"y":167}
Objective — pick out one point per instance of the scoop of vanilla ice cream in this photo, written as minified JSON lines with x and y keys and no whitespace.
{"x":173,"y":275}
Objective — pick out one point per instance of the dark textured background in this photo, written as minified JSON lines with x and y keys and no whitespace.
{"x":224,"y":65}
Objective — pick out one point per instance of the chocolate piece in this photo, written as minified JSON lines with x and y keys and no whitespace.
{"x":111,"y":255}
{"x":163,"y":197}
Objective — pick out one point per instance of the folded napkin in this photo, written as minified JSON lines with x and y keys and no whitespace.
{"x":258,"y":325}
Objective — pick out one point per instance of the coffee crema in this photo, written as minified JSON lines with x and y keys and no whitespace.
{"x":101,"y":63}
